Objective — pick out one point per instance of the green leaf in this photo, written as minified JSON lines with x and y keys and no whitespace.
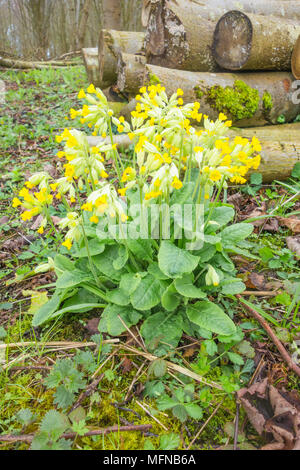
{"x":54,"y":424}
{"x":236,"y":358}
{"x":130,"y":282}
{"x":210,"y":346}
{"x":118,"y":297}
{"x":211,"y":317}
{"x":180,"y":412}
{"x":72,"y":279}
{"x":110,"y":323}
{"x":170,"y":299}
{"x":156,"y":272}
{"x":158,"y":368}
{"x":236,"y":233}
{"x":166,"y":403}
{"x":232,"y":286}
{"x":62,"y":264}
{"x":169,"y":441}
{"x":182,"y":195}
{"x":296,"y":171}
{"x":122,"y":259}
{"x":186,"y":287}
{"x":246,"y":349}
{"x":104,"y":262}
{"x":174,"y":262}
{"x":47,"y":310}
{"x":162,"y":331}
{"x":38,"y":299}
{"x":96,"y":247}
{"x":194,"y":410}
{"x":223,"y":215}
{"x":142,"y":249}
{"x":148,"y":293}
{"x":256,"y":179}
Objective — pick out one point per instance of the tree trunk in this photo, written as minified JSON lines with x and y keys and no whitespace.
{"x":131,"y":71}
{"x":26,"y":65}
{"x":90,"y":58}
{"x":289,"y":9}
{"x":254,"y":42}
{"x":110,"y":44}
{"x":180,"y":37}
{"x":248,"y":99}
{"x":280,"y":148}
{"x":296,"y":59}
{"x":83,"y":23}
{"x":112,"y":14}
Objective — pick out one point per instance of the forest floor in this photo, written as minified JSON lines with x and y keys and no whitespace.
{"x":123,"y":387}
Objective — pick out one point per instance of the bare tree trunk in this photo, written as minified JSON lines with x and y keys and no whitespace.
{"x":90,"y":58}
{"x":83,"y":23}
{"x":112,"y":14}
{"x":131,"y":71}
{"x":254,"y":42}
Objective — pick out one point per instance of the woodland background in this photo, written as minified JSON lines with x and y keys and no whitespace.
{"x":44,"y":29}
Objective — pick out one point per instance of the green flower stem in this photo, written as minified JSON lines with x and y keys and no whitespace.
{"x":99,"y":285}
{"x":115,"y":153}
{"x":214,"y":203}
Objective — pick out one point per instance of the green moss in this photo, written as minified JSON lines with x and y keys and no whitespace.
{"x":153,"y":79}
{"x":267,"y":101}
{"x":241,"y":101}
{"x":198,"y":92}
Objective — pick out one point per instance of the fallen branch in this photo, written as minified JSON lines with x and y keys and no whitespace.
{"x":59,"y":344}
{"x":283,"y":352}
{"x":72,"y":435}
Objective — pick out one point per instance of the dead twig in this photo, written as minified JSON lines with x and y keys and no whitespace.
{"x":72,"y":435}
{"x":283,"y":352}
{"x":153,"y":417}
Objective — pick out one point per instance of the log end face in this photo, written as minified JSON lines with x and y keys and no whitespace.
{"x":232,"y":41}
{"x":295,"y":62}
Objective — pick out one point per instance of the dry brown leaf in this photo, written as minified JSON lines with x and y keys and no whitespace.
{"x":273,"y":413}
{"x":292,"y":223}
{"x":293,"y":243}
{"x":256,"y":281}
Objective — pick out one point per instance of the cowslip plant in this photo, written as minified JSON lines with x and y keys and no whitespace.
{"x":150,"y":242}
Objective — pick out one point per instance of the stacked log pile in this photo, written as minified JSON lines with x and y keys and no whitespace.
{"x":240,"y":60}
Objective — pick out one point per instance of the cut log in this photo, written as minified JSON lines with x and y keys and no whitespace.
{"x":248,"y":99}
{"x":110,"y":44}
{"x":180,"y":37}
{"x":26,"y":65}
{"x":296,"y":59}
{"x":131,"y":71}
{"x":91,"y":62}
{"x":254,"y":42}
{"x":288,"y":9}
{"x":280,"y":148}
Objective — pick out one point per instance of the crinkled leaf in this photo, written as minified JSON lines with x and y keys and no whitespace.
{"x":211,"y":317}
{"x":174,"y":262}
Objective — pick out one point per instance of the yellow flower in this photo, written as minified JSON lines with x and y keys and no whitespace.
{"x":16,"y":202}
{"x":124,"y":217}
{"x":128,"y":175}
{"x":68,"y":244}
{"x":94,"y":219}
{"x":104,"y":175}
{"x":88,"y":207}
{"x":138,"y":97}
{"x":228,"y":123}
{"x":120,"y":129}
{"x":81,"y":95}
{"x":256,"y":144}
{"x":131,"y":135}
{"x":177,"y":184}
{"x":122,"y":119}
{"x":180,"y":92}
{"x":91,"y":89}
{"x":61,"y":154}
{"x":122,"y":192}
{"x":180,"y":101}
{"x":41,"y":230}
{"x":215,"y":175}
{"x":143,"y":90}
{"x":222,"y":117}
{"x":29,"y":185}
{"x":73,"y":113}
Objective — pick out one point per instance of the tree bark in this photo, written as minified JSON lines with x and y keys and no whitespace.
{"x":110,"y":44}
{"x":248,"y":99}
{"x":131,"y":71}
{"x":295,"y":63}
{"x":289,"y":9}
{"x":112,"y":14}
{"x":83,"y":23}
{"x":280,"y":148}
{"x":180,"y":37}
{"x":24,"y":64}
{"x":254,"y":42}
{"x":90,"y":58}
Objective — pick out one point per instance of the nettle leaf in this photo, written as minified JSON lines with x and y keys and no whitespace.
{"x":111,"y":324}
{"x":96,"y":247}
{"x":63,"y":398}
{"x":186,"y":287}
{"x":174,"y":262}
{"x":223,"y":215}
{"x":72,"y":278}
{"x":170,"y":299}
{"x":148,"y":293}
{"x":142,"y":249}
{"x":162,"y":331}
{"x":211,"y":317}
{"x":236,"y":233}
{"x":54,"y":425}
